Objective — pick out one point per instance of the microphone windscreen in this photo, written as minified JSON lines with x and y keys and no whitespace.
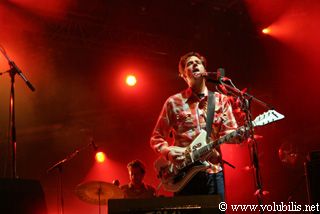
{"x":221,"y":72}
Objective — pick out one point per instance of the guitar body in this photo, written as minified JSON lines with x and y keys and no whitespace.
{"x":175,"y":176}
{"x":176,"y":182}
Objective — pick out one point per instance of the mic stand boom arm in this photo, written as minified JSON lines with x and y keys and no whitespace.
{"x":12,"y":120}
{"x":68,"y":158}
{"x":14,"y":69}
{"x":59,"y":166}
{"x":242,"y":94}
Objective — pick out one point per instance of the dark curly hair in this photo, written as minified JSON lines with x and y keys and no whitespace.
{"x":137,"y":164}
{"x":184,"y":58}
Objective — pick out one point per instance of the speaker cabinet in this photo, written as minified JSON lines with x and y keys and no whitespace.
{"x":172,"y":205}
{"x":312,"y":171}
{"x":18,"y":196}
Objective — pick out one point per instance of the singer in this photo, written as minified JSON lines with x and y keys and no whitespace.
{"x":181,"y":120}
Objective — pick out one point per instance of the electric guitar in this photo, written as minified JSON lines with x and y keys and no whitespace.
{"x":175,"y":176}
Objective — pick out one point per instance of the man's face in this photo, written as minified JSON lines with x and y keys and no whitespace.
{"x":192,"y":69}
{"x":136,"y":175}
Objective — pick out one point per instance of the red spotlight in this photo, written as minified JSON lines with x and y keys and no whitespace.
{"x":100,"y":157}
{"x":266,"y":30}
{"x":131,"y":80}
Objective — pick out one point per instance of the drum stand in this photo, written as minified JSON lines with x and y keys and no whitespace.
{"x":98,"y":192}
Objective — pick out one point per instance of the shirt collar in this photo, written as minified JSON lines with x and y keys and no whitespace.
{"x":192,"y":96}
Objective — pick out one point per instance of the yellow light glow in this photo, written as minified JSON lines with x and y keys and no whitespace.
{"x":131,"y":80}
{"x":100,"y":157}
{"x":266,"y":30}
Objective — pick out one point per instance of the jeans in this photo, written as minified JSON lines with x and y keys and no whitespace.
{"x":204,"y":183}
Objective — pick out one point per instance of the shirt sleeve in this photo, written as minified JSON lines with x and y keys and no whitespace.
{"x":161,"y":132}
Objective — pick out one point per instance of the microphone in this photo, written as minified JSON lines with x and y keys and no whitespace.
{"x":216,"y":76}
{"x":17,"y":69}
{"x":211,"y":76}
{"x":220,"y":74}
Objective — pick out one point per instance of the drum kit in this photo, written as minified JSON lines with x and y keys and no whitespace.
{"x":98,"y":192}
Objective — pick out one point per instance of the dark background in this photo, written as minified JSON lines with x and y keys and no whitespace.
{"x":77,"y":53}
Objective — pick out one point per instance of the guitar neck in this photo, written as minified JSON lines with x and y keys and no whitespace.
{"x":211,"y":145}
{"x":263,"y":119}
{"x":227,"y":137}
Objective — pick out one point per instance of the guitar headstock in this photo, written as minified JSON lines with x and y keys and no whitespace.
{"x":267,"y":117}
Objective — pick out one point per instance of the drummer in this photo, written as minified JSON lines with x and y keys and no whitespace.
{"x":136,"y":188}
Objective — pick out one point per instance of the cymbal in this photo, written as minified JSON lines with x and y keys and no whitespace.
{"x":90,"y":191}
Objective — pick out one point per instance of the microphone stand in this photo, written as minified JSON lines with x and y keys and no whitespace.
{"x":246,"y":99}
{"x":59,"y":166}
{"x":12,"y":123}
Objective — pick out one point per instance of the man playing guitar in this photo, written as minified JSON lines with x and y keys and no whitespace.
{"x":182,"y":120}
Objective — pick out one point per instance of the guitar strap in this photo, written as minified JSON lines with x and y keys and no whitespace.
{"x":210,"y":113}
{"x":210,"y":116}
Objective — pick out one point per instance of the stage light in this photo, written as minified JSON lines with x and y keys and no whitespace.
{"x":266,"y":30}
{"x":131,"y":80}
{"x":100,"y":157}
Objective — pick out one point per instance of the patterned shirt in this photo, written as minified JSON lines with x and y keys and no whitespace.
{"x":184,"y":115}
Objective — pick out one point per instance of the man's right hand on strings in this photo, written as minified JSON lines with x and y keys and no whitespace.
{"x":174,"y":155}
